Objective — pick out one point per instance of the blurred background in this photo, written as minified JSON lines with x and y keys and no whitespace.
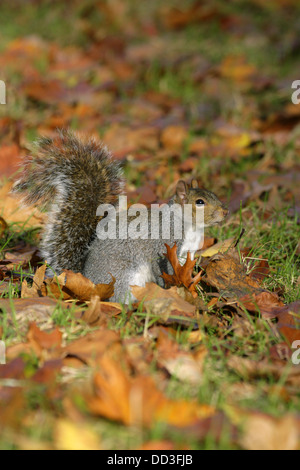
{"x":175,"y":89}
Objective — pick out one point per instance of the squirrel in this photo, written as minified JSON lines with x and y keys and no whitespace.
{"x":75,"y":177}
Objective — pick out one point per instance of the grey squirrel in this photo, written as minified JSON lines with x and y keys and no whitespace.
{"x":75,"y":177}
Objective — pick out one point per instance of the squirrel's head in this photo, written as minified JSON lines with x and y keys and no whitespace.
{"x":201,"y":199}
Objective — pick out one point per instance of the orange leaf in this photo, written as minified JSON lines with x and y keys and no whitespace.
{"x":182,"y":274}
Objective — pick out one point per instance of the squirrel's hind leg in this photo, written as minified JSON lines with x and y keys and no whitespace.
{"x":131,"y":278}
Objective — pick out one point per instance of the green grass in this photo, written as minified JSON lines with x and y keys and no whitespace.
{"x":275,"y":240}
{"x":49,"y":20}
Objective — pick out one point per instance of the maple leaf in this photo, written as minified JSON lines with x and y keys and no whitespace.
{"x":183,"y":275}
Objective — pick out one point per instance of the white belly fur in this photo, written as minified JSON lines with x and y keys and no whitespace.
{"x":143,"y":275}
{"x":191,"y":243}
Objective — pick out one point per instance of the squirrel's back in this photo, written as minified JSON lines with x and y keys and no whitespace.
{"x":74,"y":177}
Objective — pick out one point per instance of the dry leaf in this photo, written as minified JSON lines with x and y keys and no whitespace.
{"x":173,"y":137}
{"x":75,"y":286}
{"x":93,"y":346}
{"x":99,"y":313}
{"x":220,"y":247}
{"x":228,"y":275}
{"x":185,"y":366}
{"x":3,"y":226}
{"x":182,"y":274}
{"x":36,"y":289}
{"x":263,"y":432}
{"x":138,"y":401}
{"x":177,"y":307}
{"x":74,"y":436}
{"x":12,"y":209}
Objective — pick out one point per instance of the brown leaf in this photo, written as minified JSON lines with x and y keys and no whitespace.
{"x":3,"y":226}
{"x":263,"y":432}
{"x":36,"y":289}
{"x":75,"y":286}
{"x":93,"y":346}
{"x":289,"y":322}
{"x":229,"y":276}
{"x":182,"y":274}
{"x":185,"y":366}
{"x":164,"y":303}
{"x":99,"y":313}
{"x":48,"y":374}
{"x":25,"y":311}
{"x":42,"y":306}
{"x":173,"y":137}
{"x":197,"y":12}
{"x":12,"y":209}
{"x":44,"y":345}
{"x":44,"y":340}
{"x":9,"y":159}
{"x":250,"y":369}
{"x":237,"y":69}
{"x":263,"y":302}
{"x":13,"y":369}
{"x":138,"y":401}
{"x":159,"y":445}
{"x":12,"y":405}
{"x":139,"y":353}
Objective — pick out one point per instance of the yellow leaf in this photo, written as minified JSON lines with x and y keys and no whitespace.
{"x":72,"y":436}
{"x":220,"y":247}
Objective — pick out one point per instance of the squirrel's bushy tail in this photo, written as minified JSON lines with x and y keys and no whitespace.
{"x":74,"y":177}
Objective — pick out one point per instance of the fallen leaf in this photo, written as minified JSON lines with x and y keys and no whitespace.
{"x":76,"y":286}
{"x":36,"y":289}
{"x":138,"y":401}
{"x":173,"y":137}
{"x":220,"y":247}
{"x":98,"y":313}
{"x":12,"y":209}
{"x":10,"y":159}
{"x":3,"y":226}
{"x":229,"y":276}
{"x":44,"y":340}
{"x":182,"y":274}
{"x":173,"y":304}
{"x":92,"y":347}
{"x":74,"y":436}
{"x":185,"y":366}
{"x":263,"y":432}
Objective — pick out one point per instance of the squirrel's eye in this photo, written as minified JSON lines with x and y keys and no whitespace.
{"x":200,"y":202}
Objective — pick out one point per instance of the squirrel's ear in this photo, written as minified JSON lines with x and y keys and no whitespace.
{"x":194,"y":184}
{"x":181,"y":192}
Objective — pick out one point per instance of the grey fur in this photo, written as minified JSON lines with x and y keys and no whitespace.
{"x":73,"y":178}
